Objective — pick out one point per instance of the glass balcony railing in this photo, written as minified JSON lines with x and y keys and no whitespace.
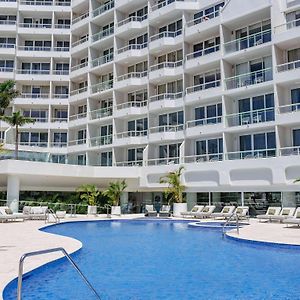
{"x":80,"y":41}
{"x":81,"y":17}
{"x":58,"y":144}
{"x":132,"y":19}
{"x":166,"y":65}
{"x":102,"y":86}
{"x":203,"y":86}
{"x":101,"y":113}
{"x":79,"y":66}
{"x":166,"y":96}
{"x":288,"y":66}
{"x":77,"y":116}
{"x":132,"y":47}
{"x":165,"y":34}
{"x":6,"y":69}
{"x":77,"y":142}
{"x":248,"y":79}
{"x":287,"y":26}
{"x":290,"y":108}
{"x":78,"y":91}
{"x":101,"y":141}
{"x":102,"y":60}
{"x":7,"y":46}
{"x":131,"y":133}
{"x":102,"y":34}
{"x":166,"y":128}
{"x":289,"y":151}
{"x":204,"y":122}
{"x":210,"y":157}
{"x":132,"y":75}
{"x":203,"y":52}
{"x":131,"y":104}
{"x":251,"y":154}
{"x":34,"y":144}
{"x":134,"y":163}
{"x":163,"y":161}
{"x":251,"y":117}
{"x":250,"y":41}
{"x":35,"y":95}
{"x":203,"y":19}
{"x":7,"y":22}
{"x":103,"y":8}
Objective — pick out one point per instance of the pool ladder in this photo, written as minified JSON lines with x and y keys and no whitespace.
{"x":47,"y":251}
{"x":51,"y":212}
{"x":227,"y":223}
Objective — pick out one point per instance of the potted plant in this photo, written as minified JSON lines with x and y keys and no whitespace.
{"x":89,"y":193}
{"x":175,"y":191}
{"x":114,"y":193}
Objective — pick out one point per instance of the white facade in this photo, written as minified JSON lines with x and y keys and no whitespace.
{"x":153,"y":85}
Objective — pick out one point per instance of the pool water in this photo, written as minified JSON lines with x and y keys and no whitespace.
{"x":146,"y":259}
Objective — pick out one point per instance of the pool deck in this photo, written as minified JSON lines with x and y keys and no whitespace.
{"x":18,"y":238}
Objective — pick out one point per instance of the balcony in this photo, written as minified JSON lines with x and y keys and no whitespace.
{"x":9,"y":4}
{"x":43,"y":4}
{"x":78,"y":120}
{"x":206,"y":57}
{"x":131,"y":138}
{"x":291,"y":3}
{"x":293,"y":69}
{"x":203,"y":91}
{"x":166,"y":133}
{"x":7,"y":25}
{"x":211,"y":157}
{"x":163,"y":161}
{"x":102,"y":63}
{"x":80,"y":44}
{"x":6,"y":73}
{"x":131,"y":52}
{"x":102,"y":35}
{"x":102,"y":87}
{"x":79,"y":94}
{"x":80,"y":21}
{"x":58,"y":144}
{"x":287,"y":32}
{"x":204,"y":126}
{"x":166,"y":71}
{"x":247,"y":42}
{"x":99,"y":141}
{"x":131,"y":81}
{"x":251,"y":154}
{"x":34,"y":144}
{"x":59,"y":120}
{"x":7,"y":49}
{"x":289,"y":151}
{"x":165,"y":101}
{"x":132,"y":108}
{"x":249,"y":79}
{"x":78,"y":145}
{"x":79,"y":69}
{"x":22,"y":74}
{"x":288,"y":114}
{"x":131,"y":26}
{"x":165,"y":41}
{"x":133,"y":163}
{"x":251,"y":117}
{"x":103,"y":9}
{"x":101,"y":113}
{"x":43,"y":51}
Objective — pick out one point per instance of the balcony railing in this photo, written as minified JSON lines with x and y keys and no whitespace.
{"x":209,"y":157}
{"x":58,"y":144}
{"x":132,"y":47}
{"x":203,"y":19}
{"x":290,"y":108}
{"x":101,"y":140}
{"x":126,"y":134}
{"x":34,"y":144}
{"x":251,"y":117}
{"x":251,"y":154}
{"x":287,"y":26}
{"x":289,"y":151}
{"x":34,"y":25}
{"x":61,"y":96}
{"x":102,"y":86}
{"x":131,"y":104}
{"x":248,"y":79}
{"x":79,"y":66}
{"x":288,"y":66}
{"x":101,"y":113}
{"x":81,"y":41}
{"x":34,"y":48}
{"x":81,"y":17}
{"x":35,"y":95}
{"x":103,"y":8}
{"x":165,"y":34}
{"x":291,"y":3}
{"x":203,"y":52}
{"x":166,"y":128}
{"x":167,"y":2}
{"x":7,"y":46}
{"x":42,"y":72}
{"x":132,"y":75}
{"x":167,"y":65}
{"x":62,"y":26}
{"x":77,"y":116}
{"x":163,"y":161}
{"x":102,"y":34}
{"x":166,"y":96}
{"x":133,"y":163}
{"x":102,"y":60}
{"x":78,"y":91}
{"x":249,"y":41}
{"x":6,"y":69}
{"x":204,"y":122}
{"x":36,"y":2}
{"x":59,"y":120}
{"x":203,"y":86}
{"x":132,"y":19}
{"x":7,"y":22}
{"x":77,"y":142}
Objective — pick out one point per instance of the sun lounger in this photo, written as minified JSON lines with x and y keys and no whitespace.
{"x":165,"y":211}
{"x":241,"y":212}
{"x":286,"y":212}
{"x":150,"y":211}
{"x":295,"y":220}
{"x":195,"y":209}
{"x":272,"y":211}
{"x":7,"y":215}
{"x":226,"y":212}
{"x":206,"y":212}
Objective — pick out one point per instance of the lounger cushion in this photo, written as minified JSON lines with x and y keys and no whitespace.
{"x":271,"y":212}
{"x":26,"y":210}
{"x":285,"y":212}
{"x":206,"y":209}
{"x":8,"y":211}
{"x":239,"y":210}
{"x":226,"y":210}
{"x":298,"y":215}
{"x":194,"y":209}
{"x":36,"y":210}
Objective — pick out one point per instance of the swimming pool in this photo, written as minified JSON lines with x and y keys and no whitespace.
{"x":158,"y":259}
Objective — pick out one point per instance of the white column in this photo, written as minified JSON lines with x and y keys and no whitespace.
{"x":124,"y":198}
{"x":13,"y":189}
{"x":191,"y":200}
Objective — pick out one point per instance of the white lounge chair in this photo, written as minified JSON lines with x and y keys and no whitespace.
{"x":295,"y":220}
{"x":286,"y":212}
{"x":165,"y":211}
{"x":241,"y":212}
{"x":206,"y":211}
{"x":195,"y":209}
{"x":150,"y":211}
{"x":7,"y":215}
{"x":225,"y":213}
{"x":35,"y":212}
{"x":272,"y":211}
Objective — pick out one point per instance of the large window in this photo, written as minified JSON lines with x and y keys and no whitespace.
{"x":208,"y":13}
{"x":59,"y":139}
{"x":38,"y":139}
{"x":209,"y":150}
{"x":172,"y":87}
{"x":172,"y":27}
{"x":135,"y":155}
{"x":207,"y":80}
{"x":169,"y":153}
{"x":138,"y":127}
{"x":106,"y":159}
{"x":171,"y":120}
{"x":206,"y":47}
{"x":210,"y":114}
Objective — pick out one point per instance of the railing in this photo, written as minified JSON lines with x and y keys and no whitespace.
{"x":203,"y":86}
{"x":34,"y":25}
{"x":288,"y":66}
{"x":102,"y":86}
{"x":34,"y":48}
{"x":77,"y":142}
{"x":290,"y":108}
{"x":78,"y":91}
{"x":203,"y":52}
{"x":251,"y":154}
{"x":209,"y":157}
{"x":133,"y":163}
{"x":33,"y":72}
{"x":101,"y":140}
{"x":61,"y":49}
{"x":249,"y":41}
{"x":34,"y":96}
{"x":103,"y":8}
{"x":165,"y":34}
{"x":58,"y":144}
{"x":166,"y":128}
{"x":167,"y":2}
{"x":166,"y":96}
{"x":39,"y":119}
{"x":289,"y":151}
{"x":6,"y":69}
{"x":81,"y":17}
{"x":132,"y":19}
{"x":132,"y":75}
{"x":163,"y":161}
{"x":7,"y":46}
{"x":8,"y":0}
{"x":248,"y":79}
{"x":62,"y":26}
{"x":7,"y":22}
{"x":102,"y":60}
{"x":131,"y":104}
{"x":235,"y":216}
{"x":203,"y":122}
{"x":78,"y":116}
{"x":48,"y":251}
{"x":34,"y":144}
{"x":81,"y":41}
{"x":59,"y":120}
{"x":169,"y":65}
{"x":60,"y":72}
{"x":132,"y":47}
{"x":251,"y":117}
{"x":79,"y":66}
{"x":203,"y":19}
{"x":126,"y":134}
{"x":36,"y":2}
{"x":101,"y":113}
{"x":62,"y":96}
{"x":102,"y":34}
{"x":287,"y":26}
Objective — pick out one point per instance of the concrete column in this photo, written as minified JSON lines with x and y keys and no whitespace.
{"x":13,"y":190}
{"x":191,"y":200}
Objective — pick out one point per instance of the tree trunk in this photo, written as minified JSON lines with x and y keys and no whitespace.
{"x":17,"y":143}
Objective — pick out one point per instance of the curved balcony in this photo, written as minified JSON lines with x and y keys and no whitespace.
{"x":102,"y":63}
{"x":78,"y":119}
{"x":80,"y":45}
{"x":289,"y":151}
{"x":131,"y":52}
{"x":78,"y":145}
{"x":80,"y":21}
{"x":102,"y":87}
{"x":166,"y":133}
{"x":99,"y":36}
{"x":165,"y":101}
{"x":166,"y":71}
{"x":132,"y":108}
{"x":293,"y":69}
{"x":204,"y":126}
{"x":101,"y":113}
{"x":166,"y":40}
{"x":138,"y":137}
{"x":131,"y":26}
{"x":78,"y":94}
{"x":79,"y":69}
{"x":103,"y":9}
{"x":131,"y":81}
{"x":7,"y":49}
{"x":99,"y":141}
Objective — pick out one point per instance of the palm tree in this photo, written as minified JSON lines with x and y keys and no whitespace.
{"x":88,"y":192}
{"x":17,"y":120}
{"x":7,"y":94}
{"x":175,"y":189}
{"x":115,"y":191}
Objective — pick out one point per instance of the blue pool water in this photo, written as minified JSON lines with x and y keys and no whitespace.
{"x":163,"y":260}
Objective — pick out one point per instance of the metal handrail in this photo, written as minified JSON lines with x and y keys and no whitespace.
{"x":108,"y":207}
{"x":46,"y":251}
{"x":51,"y":212}
{"x":227,"y":222}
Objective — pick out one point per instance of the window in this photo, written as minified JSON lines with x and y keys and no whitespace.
{"x":208,"y":13}
{"x":138,"y":127}
{"x":172,"y":87}
{"x":138,"y":96}
{"x":169,"y":153}
{"x":135,"y":154}
{"x":38,"y":139}
{"x":209,"y":150}
{"x":175,"y":27}
{"x":60,"y":139}
{"x":208,"y":114}
{"x":6,"y":65}
{"x":106,"y":159}
{"x":206,"y":47}
{"x":58,"y":158}
{"x":140,"y":40}
{"x":81,"y":160}
{"x":81,"y":136}
{"x":207,"y":80}
{"x":296,"y":137}
{"x":293,"y":19}
{"x":140,"y":67}
{"x":106,"y":130}
{"x":37,"y":115}
{"x":173,"y":119}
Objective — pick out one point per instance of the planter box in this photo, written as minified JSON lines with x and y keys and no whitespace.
{"x":92,"y":210}
{"x":116,"y":210}
{"x":178,"y":208}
